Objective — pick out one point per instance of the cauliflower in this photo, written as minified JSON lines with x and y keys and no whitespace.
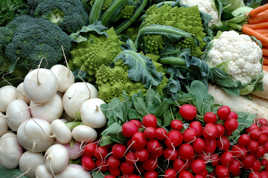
{"x":239,"y":55}
{"x":205,"y":6}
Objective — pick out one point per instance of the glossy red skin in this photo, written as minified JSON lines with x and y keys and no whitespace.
{"x":137,"y":123}
{"x":254,"y":175}
{"x":210,"y":117}
{"x":255,"y":134}
{"x":179,"y":164}
{"x":186,"y":151}
{"x":197,"y":126}
{"x":188,"y":111}
{"x":170,"y":173}
{"x":239,"y":151}
{"x":231,"y":124}
{"x":176,"y":124}
{"x":244,"y":139}
{"x":199,"y":145}
{"x":226,"y":158}
{"x":222,"y":171}
{"x":175,"y":138}
{"x":118,"y":150}
{"x":129,"y":129}
{"x":127,"y":168}
{"x":223,"y":112}
{"x":211,"y":145}
{"x":131,"y":157}
{"x":256,"y":166}
{"x":161,"y":133}
{"x":151,"y":174}
{"x":114,"y":172}
{"x":210,"y":131}
{"x":88,"y":163}
{"x":223,"y":143}
{"x":102,"y":165}
{"x":186,"y":174}
{"x":234,"y":167}
{"x":113,"y":162}
{"x":198,"y":166}
{"x":232,"y":115}
{"x":142,"y":155}
{"x":220,"y":129}
{"x":100,"y":152}
{"x":109,"y":176}
{"x":89,"y":149}
{"x":149,"y":120}
{"x":189,"y":135}
{"x":150,"y":165}
{"x":248,"y":161}
{"x":253,"y":145}
{"x":260,"y":151}
{"x":149,"y":132}
{"x":263,"y":139}
{"x":139,"y":141}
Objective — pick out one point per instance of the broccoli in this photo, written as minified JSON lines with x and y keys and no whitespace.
{"x":28,"y":40}
{"x":68,"y":14}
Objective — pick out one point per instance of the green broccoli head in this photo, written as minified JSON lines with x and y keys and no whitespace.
{"x":68,"y":14}
{"x":33,"y":39}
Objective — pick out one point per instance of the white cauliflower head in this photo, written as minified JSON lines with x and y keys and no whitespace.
{"x":240,"y":53}
{"x":205,"y":6}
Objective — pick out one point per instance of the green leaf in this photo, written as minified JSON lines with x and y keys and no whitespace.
{"x":115,"y":128}
{"x":97,"y":174}
{"x":10,"y":173}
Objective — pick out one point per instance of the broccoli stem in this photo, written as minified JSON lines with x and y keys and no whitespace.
{"x":111,"y":11}
{"x":173,"y":61}
{"x":95,"y":11}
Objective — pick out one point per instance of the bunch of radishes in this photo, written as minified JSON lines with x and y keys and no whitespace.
{"x":184,"y":151}
{"x":42,"y":117}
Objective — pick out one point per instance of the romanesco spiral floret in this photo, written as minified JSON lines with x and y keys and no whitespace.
{"x":127,"y":11}
{"x":153,"y":43}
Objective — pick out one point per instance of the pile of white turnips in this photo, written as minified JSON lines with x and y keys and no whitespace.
{"x":49,"y":117}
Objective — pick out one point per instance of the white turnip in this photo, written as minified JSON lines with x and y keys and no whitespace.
{"x":35,"y":135}
{"x":91,"y":113}
{"x":10,"y":151}
{"x":83,"y":133}
{"x":29,"y":162}
{"x":42,"y":172}
{"x":65,"y":77}
{"x":7,"y":95}
{"x":74,"y":170}
{"x":17,"y":112}
{"x":40,"y":85}
{"x":3,"y":125}
{"x":61,"y":132}
{"x":263,"y":94}
{"x":74,"y":150}
{"x":76,"y":94}
{"x":56,"y":158}
{"x":21,"y":93}
{"x":49,"y":111}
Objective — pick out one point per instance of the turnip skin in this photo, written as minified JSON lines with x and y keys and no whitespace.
{"x":17,"y":112}
{"x":29,"y":162}
{"x":61,"y":132}
{"x":3,"y":125}
{"x":83,"y":133}
{"x":10,"y":151}
{"x":74,"y":150}
{"x":49,"y":111}
{"x":74,"y":170}
{"x":7,"y":95}
{"x":21,"y":93}
{"x":76,"y":94}
{"x":91,"y":113}
{"x":40,"y":85}
{"x":65,"y":77}
{"x":56,"y":158}
{"x":35,"y":135}
{"x":42,"y":172}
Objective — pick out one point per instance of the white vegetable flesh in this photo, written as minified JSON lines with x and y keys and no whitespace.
{"x":91,"y":113}
{"x":83,"y":133}
{"x":260,"y":101}
{"x":40,"y":85}
{"x":29,"y":162}
{"x":7,"y":95}
{"x":3,"y":125}
{"x":10,"y":151}
{"x":61,"y":132}
{"x":17,"y":112}
{"x":49,"y":111}
{"x":21,"y":94}
{"x":76,"y":94}
{"x":263,"y":94}
{"x":74,"y":150}
{"x":35,"y":135}
{"x":65,"y":77}
{"x":42,"y":172}
{"x":56,"y":158}
{"x":73,"y":171}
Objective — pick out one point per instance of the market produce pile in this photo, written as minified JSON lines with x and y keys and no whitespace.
{"x":133,"y":88}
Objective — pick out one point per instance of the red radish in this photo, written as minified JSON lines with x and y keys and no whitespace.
{"x":138,"y":140}
{"x":234,"y":168}
{"x":170,"y":154}
{"x":264,"y":163}
{"x":231,"y":124}
{"x":100,"y":152}
{"x":210,"y":131}
{"x":186,"y":152}
{"x":222,"y":171}
{"x":118,"y":150}
{"x":255,"y":134}
{"x":153,"y":146}
{"x":199,"y":145}
{"x":142,"y":155}
{"x":223,"y":112}
{"x":253,"y":145}
{"x":102,"y":165}
{"x":262,"y":139}
{"x":239,"y":151}
{"x":223,"y":143}
{"x":210,"y":117}
{"x":261,"y":122}
{"x":151,"y":174}
{"x":244,"y":139}
{"x":220,"y":129}
{"x":199,"y":176}
{"x":254,"y":175}
{"x":175,"y":138}
{"x":179,"y":165}
{"x":264,"y":130}
{"x":256,"y":166}
{"x":248,"y":161}
{"x":149,"y":120}
{"x":170,"y":173}
{"x":161,"y":133}
{"x":113,"y":162}
{"x":266,"y":147}
{"x":214,"y":159}
{"x":131,"y":157}
{"x":210,"y":145}
{"x":186,"y":174}
{"x":114,"y":172}
{"x":198,"y":166}
{"x":253,"y":126}
{"x":89,"y":149}
{"x":127,"y":168}
{"x":260,"y":151}
{"x":188,"y":111}
{"x":226,"y":158}
{"x":109,"y":176}
{"x":134,"y":176}
{"x":232,"y":115}
{"x":264,"y":174}
{"x":189,"y":135}
{"x":197,"y":126}
{"x":149,"y":165}
{"x":87,"y":163}
{"x":176,"y":124}
{"x":149,"y":132}
{"x":129,"y":129}
{"x":136,"y":122}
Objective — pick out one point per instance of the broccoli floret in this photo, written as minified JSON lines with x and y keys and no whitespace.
{"x":32,"y":39}
{"x":68,"y":14}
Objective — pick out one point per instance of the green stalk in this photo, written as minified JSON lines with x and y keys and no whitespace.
{"x":72,"y":125}
{"x":173,"y":61}
{"x":95,"y":11}
{"x":111,"y":11}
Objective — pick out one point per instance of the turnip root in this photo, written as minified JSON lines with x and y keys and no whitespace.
{"x":74,"y":150}
{"x":263,"y":94}
{"x":21,"y":93}
{"x":29,"y":162}
{"x":56,"y":159}
{"x":74,"y":170}
{"x":83,"y":133}
{"x":3,"y":125}
{"x":65,"y":77}
{"x":17,"y":112}
{"x":76,"y":94}
{"x":237,"y":103}
{"x":35,"y":135}
{"x":40,"y":85}
{"x":10,"y":151}
{"x":42,"y":172}
{"x":91,"y":113}
{"x":260,"y":101}
{"x":61,"y":132}
{"x":49,"y":111}
{"x":7,"y":95}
